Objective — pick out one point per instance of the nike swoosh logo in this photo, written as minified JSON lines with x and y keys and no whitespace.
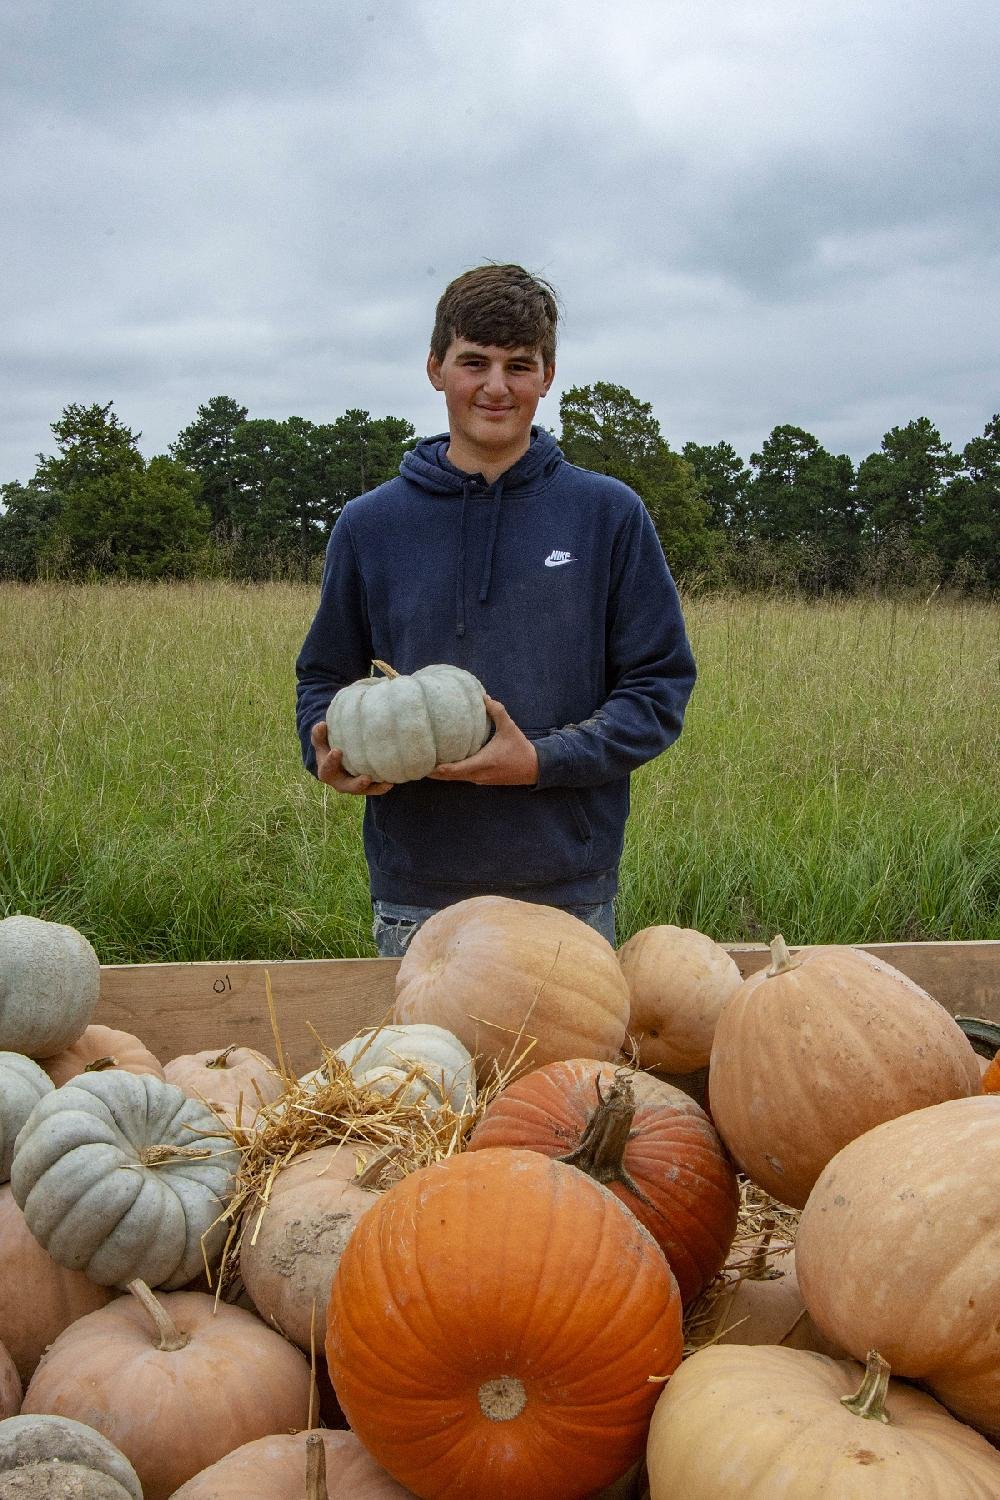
{"x":558,"y":562}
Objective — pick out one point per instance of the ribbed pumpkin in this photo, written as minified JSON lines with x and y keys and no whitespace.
{"x":646,"y":1141}
{"x":235,"y":1081}
{"x":28,"y":1324}
{"x":100,"y":1049}
{"x":277,"y":1467}
{"x":679,"y":980}
{"x":899,"y":1247}
{"x":290,"y":1252}
{"x":173,"y":1381}
{"x":50,"y":980}
{"x":493,"y":1328}
{"x":398,"y":728}
{"x":22,"y":1083}
{"x":515,"y":981}
{"x":64,"y":1460}
{"x":10,"y":1385}
{"x":763,"y":1423}
{"x":819,"y":1048}
{"x":123,"y":1176}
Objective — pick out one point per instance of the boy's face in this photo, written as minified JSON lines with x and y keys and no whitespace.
{"x":491,"y":395}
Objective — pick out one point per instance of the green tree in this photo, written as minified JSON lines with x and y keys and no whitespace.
{"x":207,"y":446}
{"x":802,"y":500}
{"x":962,"y":520}
{"x":366,"y":452}
{"x":27,"y":530}
{"x":95,"y":507}
{"x":608,"y":429}
{"x":724,"y":480}
{"x":898,"y":486}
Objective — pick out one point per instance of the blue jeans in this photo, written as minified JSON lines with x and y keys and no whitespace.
{"x":394,"y":926}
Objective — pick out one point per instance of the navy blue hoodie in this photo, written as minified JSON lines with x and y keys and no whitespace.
{"x":550,"y":586}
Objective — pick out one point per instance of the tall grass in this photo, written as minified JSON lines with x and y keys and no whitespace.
{"x":837,"y":778}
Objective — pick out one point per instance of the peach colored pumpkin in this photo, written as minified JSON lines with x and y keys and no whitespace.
{"x":10,"y":1386}
{"x":235,"y":1080}
{"x":514,"y":981}
{"x":764,"y":1423}
{"x":899,"y":1247}
{"x":276,"y":1467}
{"x":762,"y":1303}
{"x":646,"y":1141}
{"x":678,"y":981}
{"x":493,"y":1327}
{"x":289,"y":1254}
{"x":818,"y":1048}
{"x":98,"y":1049}
{"x":29,"y":1322}
{"x":173,"y":1381}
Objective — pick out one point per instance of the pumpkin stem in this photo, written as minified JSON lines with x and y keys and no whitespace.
{"x":869,"y":1399}
{"x":757,"y":1266}
{"x":371,"y":1174}
{"x":222,"y":1061}
{"x":316,"y":1468}
{"x":601,"y":1148}
{"x":781,"y":959}
{"x":172,"y":1338}
{"x":101,"y":1064}
{"x":384,"y":668}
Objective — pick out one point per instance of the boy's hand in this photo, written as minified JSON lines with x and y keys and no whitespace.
{"x":330,"y":768}
{"x":507,"y":759}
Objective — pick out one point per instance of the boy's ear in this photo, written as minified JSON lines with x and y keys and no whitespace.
{"x":549,"y":376}
{"x":434,"y":372}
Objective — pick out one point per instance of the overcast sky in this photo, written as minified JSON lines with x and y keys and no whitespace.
{"x":755,"y":213}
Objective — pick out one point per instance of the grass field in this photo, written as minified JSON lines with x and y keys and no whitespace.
{"x":838,"y":778}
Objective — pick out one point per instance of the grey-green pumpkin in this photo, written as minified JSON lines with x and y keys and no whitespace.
{"x":122,"y":1176}
{"x":22,"y":1084}
{"x":61,"y":1458}
{"x":398,"y":728}
{"x":50,"y":980}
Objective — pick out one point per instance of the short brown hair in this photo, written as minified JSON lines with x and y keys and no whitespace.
{"x":502,"y":305}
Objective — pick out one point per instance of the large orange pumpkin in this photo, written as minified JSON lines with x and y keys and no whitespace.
{"x":819,"y":1048}
{"x":31,"y":1319}
{"x":493,"y":1328}
{"x":764,"y":1423}
{"x":645,"y":1140}
{"x":515,"y":981}
{"x":899,"y":1247}
{"x":174,"y":1381}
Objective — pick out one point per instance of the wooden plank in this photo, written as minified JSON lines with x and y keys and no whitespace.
{"x":186,"y":1007}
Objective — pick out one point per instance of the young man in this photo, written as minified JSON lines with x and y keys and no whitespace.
{"x":549,"y":584}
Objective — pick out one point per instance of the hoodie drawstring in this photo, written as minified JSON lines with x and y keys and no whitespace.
{"x":484,"y":584}
{"x":460,"y":572}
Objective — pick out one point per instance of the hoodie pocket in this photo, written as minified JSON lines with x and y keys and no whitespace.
{"x":460,"y":835}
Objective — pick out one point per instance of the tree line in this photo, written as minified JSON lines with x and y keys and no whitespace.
{"x":252,"y":498}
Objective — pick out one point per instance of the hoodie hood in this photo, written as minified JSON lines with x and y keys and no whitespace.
{"x":427,"y":466}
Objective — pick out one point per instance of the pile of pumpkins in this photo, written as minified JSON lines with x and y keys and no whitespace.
{"x":510,"y":1320}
